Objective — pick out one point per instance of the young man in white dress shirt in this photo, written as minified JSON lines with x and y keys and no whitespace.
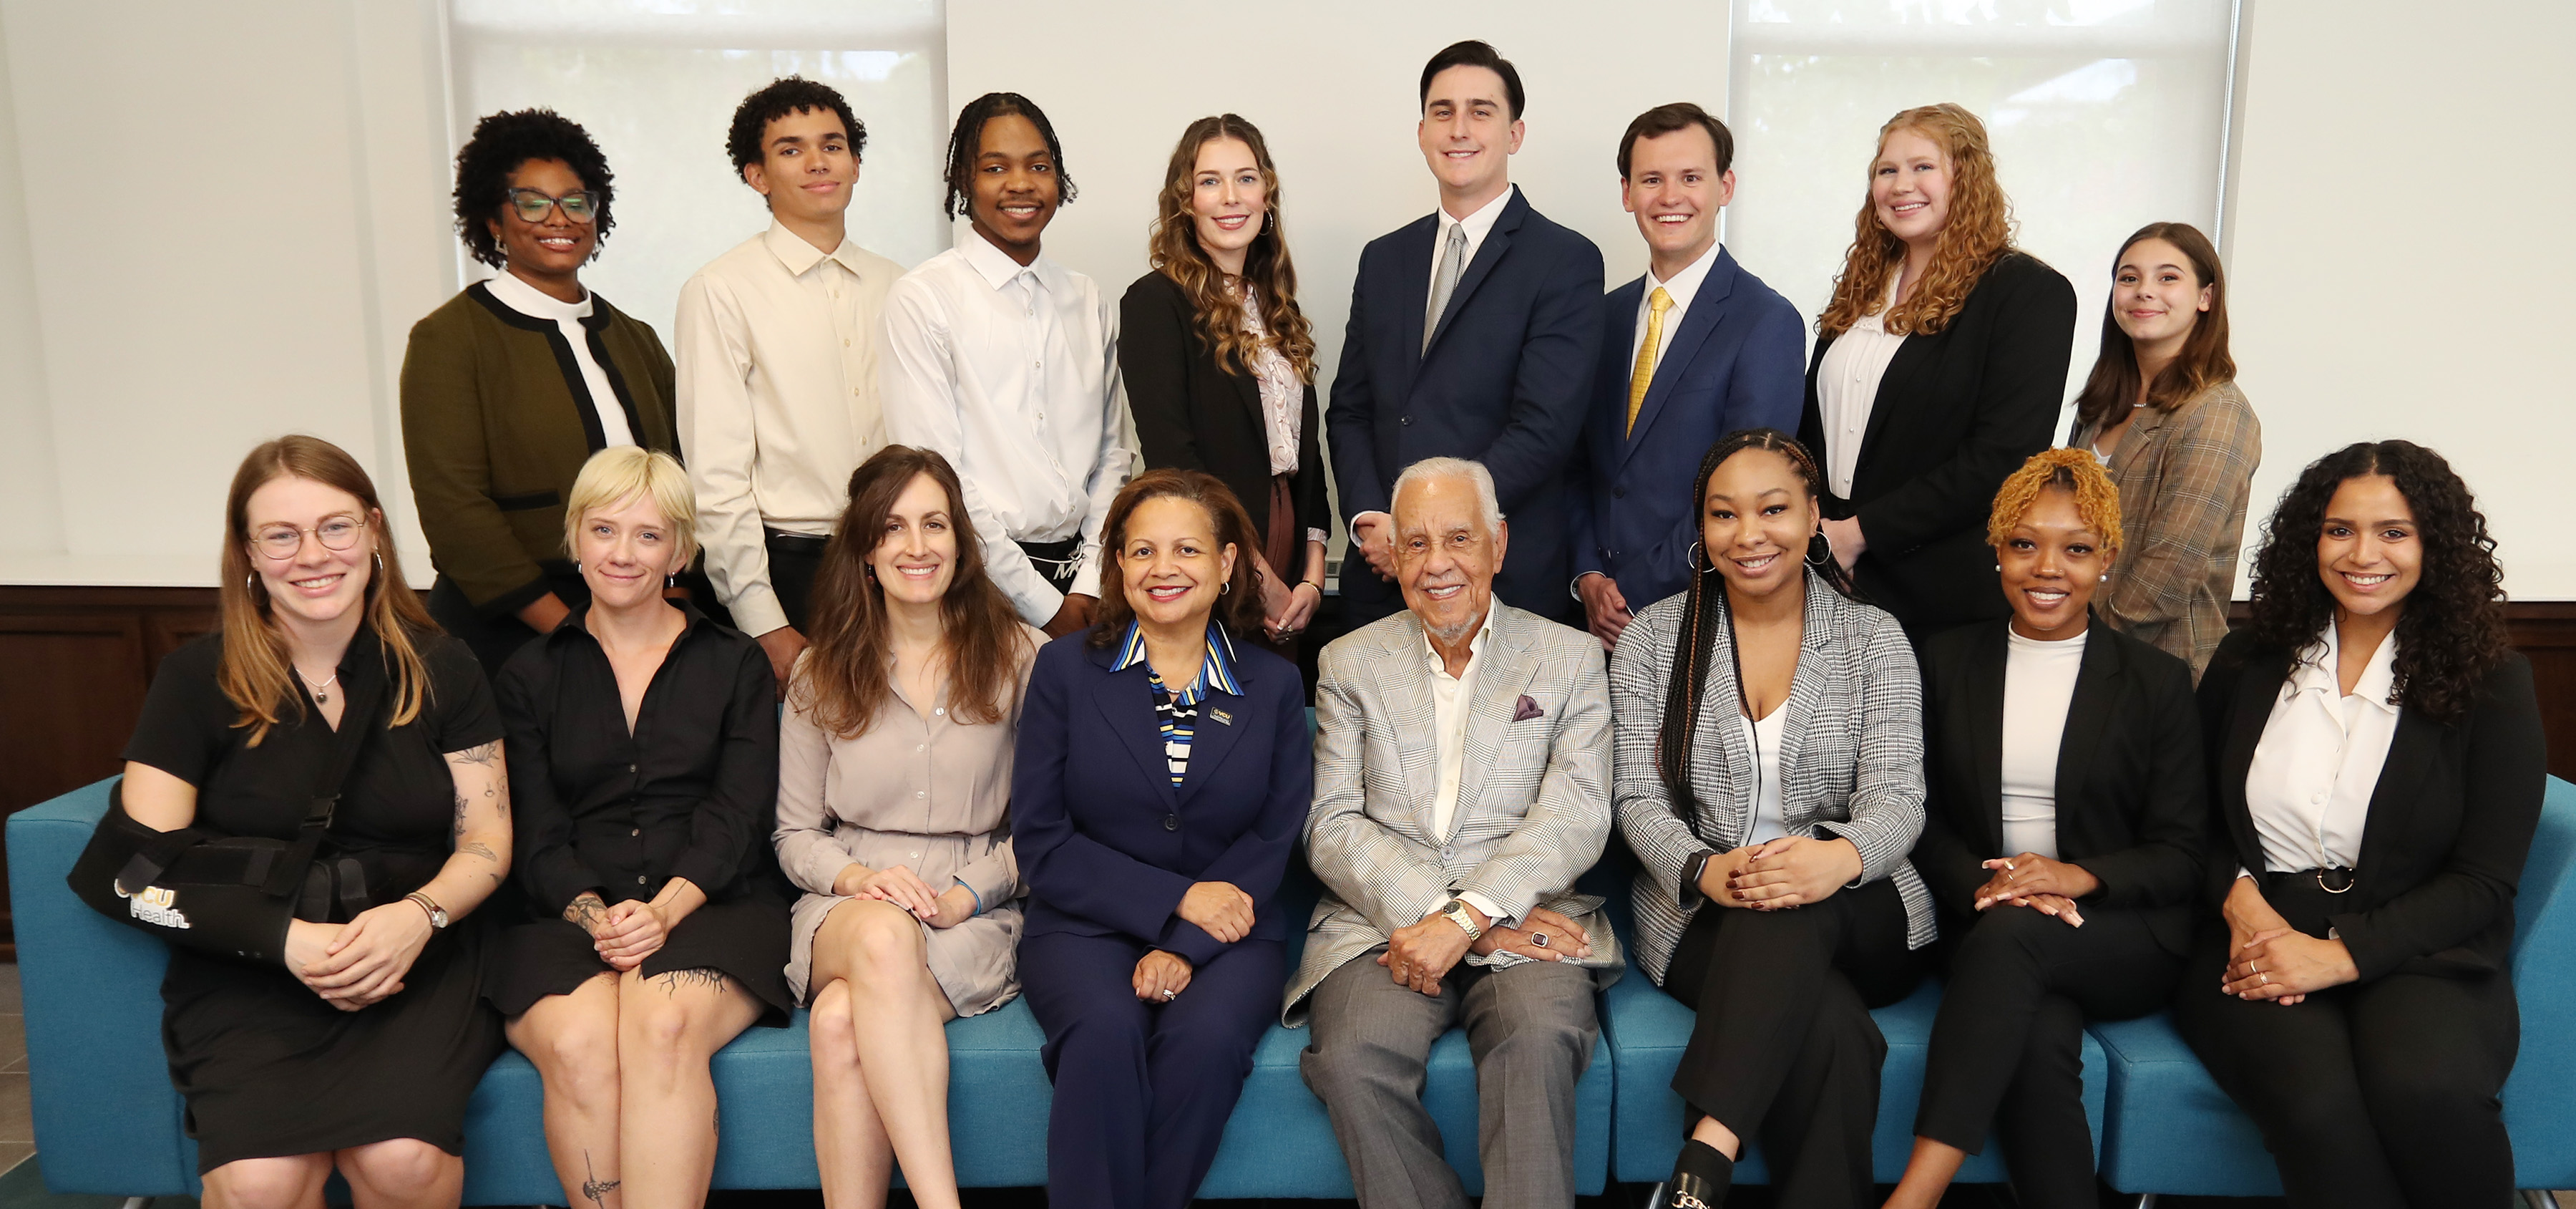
{"x":1007,"y":363}
{"x":778,"y":349}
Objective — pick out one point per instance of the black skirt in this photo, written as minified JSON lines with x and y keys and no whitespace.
{"x":745,"y":940}
{"x":269,"y":1069}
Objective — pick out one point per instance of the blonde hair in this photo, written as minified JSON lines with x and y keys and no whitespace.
{"x":620,"y":473}
{"x":1978,"y":234}
{"x":2076,"y":470}
{"x":253,"y":672}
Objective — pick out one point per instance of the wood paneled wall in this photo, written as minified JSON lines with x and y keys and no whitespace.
{"x":74,"y":663}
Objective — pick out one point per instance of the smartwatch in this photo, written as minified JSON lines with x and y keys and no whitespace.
{"x":1691,"y":873}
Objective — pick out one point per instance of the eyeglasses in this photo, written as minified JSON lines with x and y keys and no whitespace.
{"x":580,"y":205}
{"x":283,"y":542}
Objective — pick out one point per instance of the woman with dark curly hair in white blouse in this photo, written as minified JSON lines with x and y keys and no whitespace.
{"x":1769,"y":761}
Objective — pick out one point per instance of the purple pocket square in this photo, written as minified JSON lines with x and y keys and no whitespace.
{"x":1527,"y":710}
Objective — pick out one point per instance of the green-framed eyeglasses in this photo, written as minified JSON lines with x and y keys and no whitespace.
{"x":580,"y":205}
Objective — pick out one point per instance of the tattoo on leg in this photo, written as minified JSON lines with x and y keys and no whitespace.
{"x":673,"y":980}
{"x":594,"y":1189}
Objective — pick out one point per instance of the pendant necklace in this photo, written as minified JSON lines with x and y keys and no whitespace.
{"x":322,"y":691}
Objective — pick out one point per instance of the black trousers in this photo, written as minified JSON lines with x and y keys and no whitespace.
{"x":2373,"y":1095}
{"x":1783,"y":1049}
{"x":1055,"y":560}
{"x":2010,"y":1037}
{"x":793,"y":559}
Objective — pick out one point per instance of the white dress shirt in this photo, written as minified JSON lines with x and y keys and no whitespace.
{"x":1011,"y":371}
{"x":2039,"y":689}
{"x":1681,"y":289}
{"x":1847,"y":389}
{"x":777,"y":400}
{"x":2318,"y":762}
{"x":534,"y":303}
{"x":1452,"y":699}
{"x":1770,"y":817}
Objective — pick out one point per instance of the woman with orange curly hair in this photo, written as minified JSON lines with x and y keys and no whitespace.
{"x":2062,"y":838}
{"x":1219,"y":361}
{"x":1941,"y":363}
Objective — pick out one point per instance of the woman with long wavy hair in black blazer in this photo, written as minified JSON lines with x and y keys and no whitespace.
{"x":2062,"y":835}
{"x":1939,"y":366}
{"x":1219,"y":362}
{"x":2378,"y":768}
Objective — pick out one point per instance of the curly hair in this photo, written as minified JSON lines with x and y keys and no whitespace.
{"x":780,"y":98}
{"x":844,"y":680}
{"x":2203,"y":362}
{"x":1979,"y":233}
{"x":502,"y":142}
{"x":1238,"y":606}
{"x":1174,"y":251}
{"x":2076,"y":470}
{"x":2451,"y":632}
{"x":966,"y":140}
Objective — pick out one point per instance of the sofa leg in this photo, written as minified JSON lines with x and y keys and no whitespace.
{"x":137,"y":1202}
{"x":2536,"y":1198}
{"x":2146,"y":1200}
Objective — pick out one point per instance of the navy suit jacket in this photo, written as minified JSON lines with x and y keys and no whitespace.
{"x":1504,"y":382}
{"x":1105,"y":842}
{"x":1737,"y":361}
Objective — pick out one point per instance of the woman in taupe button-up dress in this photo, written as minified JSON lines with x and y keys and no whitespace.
{"x":2161,"y":409}
{"x":893,"y":817}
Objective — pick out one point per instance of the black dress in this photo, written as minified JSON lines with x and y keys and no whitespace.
{"x":692,"y":793}
{"x":268,"y":1068}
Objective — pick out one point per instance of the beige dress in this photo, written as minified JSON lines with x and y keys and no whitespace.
{"x":920,"y":790}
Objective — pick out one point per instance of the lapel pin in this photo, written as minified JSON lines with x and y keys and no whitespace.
{"x":1221,"y":716}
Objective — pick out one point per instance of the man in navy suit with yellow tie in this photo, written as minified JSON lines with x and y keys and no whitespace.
{"x":1473,"y":333}
{"x":1695,"y":349}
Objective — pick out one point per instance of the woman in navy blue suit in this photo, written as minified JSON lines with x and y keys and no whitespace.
{"x":1162,"y":778}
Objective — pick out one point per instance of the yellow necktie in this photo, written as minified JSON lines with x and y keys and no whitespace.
{"x":1644,"y":375}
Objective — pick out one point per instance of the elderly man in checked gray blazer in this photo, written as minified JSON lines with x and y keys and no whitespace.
{"x":1462,"y":783}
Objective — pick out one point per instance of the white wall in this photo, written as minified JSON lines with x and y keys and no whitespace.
{"x":2397,"y":271}
{"x":218,"y":221}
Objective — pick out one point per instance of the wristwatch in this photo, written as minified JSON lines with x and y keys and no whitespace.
{"x":437,"y":914}
{"x":1691,"y":874}
{"x":1456,"y":912}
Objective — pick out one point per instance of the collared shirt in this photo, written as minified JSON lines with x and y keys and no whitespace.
{"x":1847,"y":390}
{"x":1681,"y":289}
{"x":1011,"y":372}
{"x":2318,"y":762}
{"x":1452,"y":699}
{"x":777,"y":399}
{"x":1478,"y":224}
{"x":1283,"y":401}
{"x":1177,"y":714}
{"x":534,"y":303}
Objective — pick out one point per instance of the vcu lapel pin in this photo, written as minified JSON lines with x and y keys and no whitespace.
{"x":1221,"y":716}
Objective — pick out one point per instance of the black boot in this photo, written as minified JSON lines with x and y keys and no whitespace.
{"x":1701,"y":1177}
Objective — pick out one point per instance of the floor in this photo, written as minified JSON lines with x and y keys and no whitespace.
{"x":22,"y":1185}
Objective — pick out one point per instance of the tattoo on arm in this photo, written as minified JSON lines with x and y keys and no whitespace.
{"x":587,"y":910}
{"x":594,"y":1189}
{"x":481,"y":849}
{"x":459,"y":832}
{"x":488,"y":754}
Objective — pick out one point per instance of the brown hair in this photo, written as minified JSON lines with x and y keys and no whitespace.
{"x":2076,"y":470}
{"x":1978,"y":234}
{"x":1268,"y":274}
{"x":1239,"y":607}
{"x":254,"y":669}
{"x":1678,"y":116}
{"x":842,"y":679}
{"x":2203,"y":362}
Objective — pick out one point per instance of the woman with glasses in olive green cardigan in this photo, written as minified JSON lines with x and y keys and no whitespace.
{"x":511,"y":385}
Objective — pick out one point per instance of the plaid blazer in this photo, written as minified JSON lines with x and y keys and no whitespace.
{"x":1851,"y":758}
{"x":2183,"y":477}
{"x":1533,"y":798}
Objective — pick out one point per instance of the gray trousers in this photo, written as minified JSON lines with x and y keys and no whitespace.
{"x":1531,"y":1028}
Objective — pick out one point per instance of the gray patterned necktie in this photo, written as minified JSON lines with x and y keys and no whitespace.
{"x":1453,"y":261}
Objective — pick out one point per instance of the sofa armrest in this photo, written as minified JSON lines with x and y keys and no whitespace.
{"x":2540,"y":1097}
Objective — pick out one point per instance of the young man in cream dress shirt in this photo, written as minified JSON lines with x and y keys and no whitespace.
{"x":778,"y":349}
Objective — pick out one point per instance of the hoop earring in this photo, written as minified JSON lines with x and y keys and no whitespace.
{"x":1819,"y":564}
{"x":1696,"y":559}
{"x":1229,"y":586}
{"x":670,"y":581}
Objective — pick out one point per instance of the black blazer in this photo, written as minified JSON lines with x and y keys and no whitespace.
{"x":1193,"y":415}
{"x":1506,"y":381}
{"x":2450,"y":820}
{"x":2132,"y":796}
{"x":1955,"y":413}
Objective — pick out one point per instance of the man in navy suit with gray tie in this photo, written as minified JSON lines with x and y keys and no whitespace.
{"x":1695,"y":349}
{"x":1472,"y":335}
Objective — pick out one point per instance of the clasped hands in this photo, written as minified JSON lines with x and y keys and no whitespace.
{"x":1420,"y":954}
{"x":898,"y":884}
{"x":1790,"y":871}
{"x":2047,"y":886}
{"x":1220,"y":909}
{"x":2268,"y":959}
{"x":360,"y":963}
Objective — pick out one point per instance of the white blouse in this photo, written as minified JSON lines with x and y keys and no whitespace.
{"x":534,"y":303}
{"x":2318,"y":761}
{"x":1847,"y":389}
{"x":1283,"y":399}
{"x":1770,"y":820}
{"x":2039,"y":688}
